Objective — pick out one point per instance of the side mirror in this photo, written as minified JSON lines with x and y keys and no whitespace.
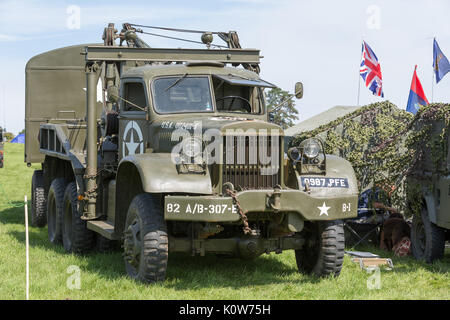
{"x":298,"y":90}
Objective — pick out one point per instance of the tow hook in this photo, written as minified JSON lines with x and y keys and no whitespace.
{"x":273,"y":199}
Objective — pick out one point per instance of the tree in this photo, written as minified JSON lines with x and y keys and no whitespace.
{"x":8,"y":136}
{"x":23,"y":131}
{"x":285,"y":115}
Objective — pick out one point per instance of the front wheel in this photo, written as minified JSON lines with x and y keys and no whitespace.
{"x":427,"y":239}
{"x":323,"y":252}
{"x":146,"y":246}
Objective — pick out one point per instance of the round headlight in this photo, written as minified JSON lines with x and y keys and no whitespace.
{"x":311,"y":148}
{"x":294,"y":154}
{"x":192,"y":147}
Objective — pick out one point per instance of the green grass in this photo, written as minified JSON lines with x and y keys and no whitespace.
{"x":103,"y":275}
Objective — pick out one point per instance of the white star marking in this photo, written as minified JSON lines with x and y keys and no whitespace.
{"x":132,"y":145}
{"x":323,"y":209}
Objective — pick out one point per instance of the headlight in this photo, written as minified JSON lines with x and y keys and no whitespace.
{"x":192,"y":147}
{"x":311,"y":148}
{"x":294,"y":154}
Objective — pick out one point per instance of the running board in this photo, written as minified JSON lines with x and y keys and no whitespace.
{"x":103,"y":227}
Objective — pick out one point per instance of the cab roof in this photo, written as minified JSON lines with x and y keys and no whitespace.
{"x":148,"y":72}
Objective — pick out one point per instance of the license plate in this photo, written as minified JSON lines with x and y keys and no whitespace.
{"x":315,"y":182}
{"x":199,"y":208}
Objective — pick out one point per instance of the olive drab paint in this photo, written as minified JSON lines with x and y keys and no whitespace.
{"x":118,"y":148}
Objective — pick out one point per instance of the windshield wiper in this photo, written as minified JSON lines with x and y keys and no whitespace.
{"x":176,"y":82}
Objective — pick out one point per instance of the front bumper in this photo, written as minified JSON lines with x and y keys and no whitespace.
{"x":223,"y":209}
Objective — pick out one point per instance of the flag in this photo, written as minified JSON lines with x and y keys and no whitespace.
{"x":370,"y":70}
{"x":440,"y":62}
{"x":417,"y":97}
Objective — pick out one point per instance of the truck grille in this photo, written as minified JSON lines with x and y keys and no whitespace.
{"x":252,"y":162}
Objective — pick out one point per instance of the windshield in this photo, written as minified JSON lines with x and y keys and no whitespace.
{"x":182,"y":94}
{"x":237,"y":98}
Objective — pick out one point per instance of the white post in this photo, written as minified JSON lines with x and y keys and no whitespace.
{"x":27,"y":251}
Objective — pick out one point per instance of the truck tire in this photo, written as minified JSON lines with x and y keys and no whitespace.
{"x":38,"y":200}
{"x":77,"y":238}
{"x":54,"y":209}
{"x":427,"y":239}
{"x":323,"y":252}
{"x":145,"y":240}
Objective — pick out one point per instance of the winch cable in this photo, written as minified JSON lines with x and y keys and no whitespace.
{"x":230,"y":38}
{"x":180,"y":39}
{"x":174,"y":29}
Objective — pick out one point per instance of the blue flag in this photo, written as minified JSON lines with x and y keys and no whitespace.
{"x":440,"y":62}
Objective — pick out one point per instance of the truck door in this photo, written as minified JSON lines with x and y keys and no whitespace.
{"x":132,"y":117}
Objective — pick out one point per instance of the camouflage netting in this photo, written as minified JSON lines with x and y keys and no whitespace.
{"x":386,"y":144}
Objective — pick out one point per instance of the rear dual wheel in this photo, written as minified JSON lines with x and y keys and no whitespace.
{"x":54,"y":209}
{"x":64,"y":217}
{"x":76,"y":237}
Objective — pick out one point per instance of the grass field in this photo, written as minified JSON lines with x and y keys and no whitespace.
{"x":103,"y":275}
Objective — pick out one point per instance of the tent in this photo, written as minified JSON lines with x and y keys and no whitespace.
{"x":320,"y":119}
{"x":20,"y":138}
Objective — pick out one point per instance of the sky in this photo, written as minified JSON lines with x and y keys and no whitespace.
{"x":316,"y":42}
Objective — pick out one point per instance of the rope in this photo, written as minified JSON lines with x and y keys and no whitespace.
{"x":8,"y":203}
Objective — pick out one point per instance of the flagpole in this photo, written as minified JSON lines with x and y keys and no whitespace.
{"x":359,"y":89}
{"x":432,"y":86}
{"x":432,"y":77}
{"x":359,"y":76}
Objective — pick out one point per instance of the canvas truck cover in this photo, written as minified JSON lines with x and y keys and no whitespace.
{"x":55,"y":92}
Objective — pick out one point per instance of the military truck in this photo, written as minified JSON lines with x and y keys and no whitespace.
{"x":170,"y":150}
{"x":430,"y":201}
{"x":1,"y":147}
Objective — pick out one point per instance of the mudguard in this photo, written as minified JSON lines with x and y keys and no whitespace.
{"x":159,"y":175}
{"x":337,"y":167}
{"x":431,"y":207}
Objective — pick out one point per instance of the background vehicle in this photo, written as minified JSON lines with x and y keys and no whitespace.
{"x":105,"y":124}
{"x":429,"y":195}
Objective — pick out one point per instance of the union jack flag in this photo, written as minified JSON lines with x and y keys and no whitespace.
{"x":370,"y":70}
